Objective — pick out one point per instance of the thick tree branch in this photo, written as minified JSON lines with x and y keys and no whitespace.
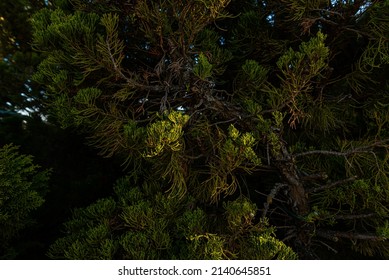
{"x":271,"y":196}
{"x":287,"y":167}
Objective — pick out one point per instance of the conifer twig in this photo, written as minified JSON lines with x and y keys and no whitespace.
{"x":362,"y":149}
{"x":328,"y":246}
{"x":334,"y":184}
{"x":352,"y":217}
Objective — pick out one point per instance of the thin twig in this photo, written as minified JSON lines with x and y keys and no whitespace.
{"x":329,"y":12}
{"x":332,"y":185}
{"x":328,"y":246}
{"x":222,"y":122}
{"x":334,"y":235}
{"x":363,"y":149}
{"x":117,"y":69}
{"x":321,"y":152}
{"x":352,"y":217}
{"x":276,"y":199}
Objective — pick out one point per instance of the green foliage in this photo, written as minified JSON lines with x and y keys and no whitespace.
{"x":203,"y":69}
{"x":121,"y":231}
{"x":240,"y":214}
{"x":267,"y":247}
{"x":166,"y":134}
{"x":253,"y":76}
{"x":219,"y":109}
{"x":298,"y":69}
{"x":300,"y":8}
{"x":215,"y":59}
{"x":235,"y":152}
{"x":383,"y":231}
{"x":307,"y":62}
{"x":21,"y":189}
{"x":135,"y":226}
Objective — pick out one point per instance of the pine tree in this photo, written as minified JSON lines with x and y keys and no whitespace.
{"x":76,"y":169}
{"x":270,"y":117}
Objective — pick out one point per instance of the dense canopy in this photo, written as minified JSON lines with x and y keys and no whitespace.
{"x":247,"y":129}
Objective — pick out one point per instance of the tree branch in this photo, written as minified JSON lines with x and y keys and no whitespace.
{"x":271,"y":196}
{"x":334,"y":184}
{"x":352,"y":217}
{"x":362,"y":149}
{"x":335,"y":235}
{"x":287,"y":167}
{"x":321,"y":152}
